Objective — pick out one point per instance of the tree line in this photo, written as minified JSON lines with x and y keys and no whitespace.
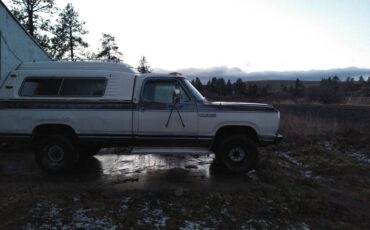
{"x":329,"y":90}
{"x":239,"y":88}
{"x":63,"y":38}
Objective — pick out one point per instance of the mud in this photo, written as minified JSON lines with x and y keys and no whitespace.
{"x":295,"y":187}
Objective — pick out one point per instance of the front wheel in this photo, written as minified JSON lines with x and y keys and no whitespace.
{"x":55,"y":153}
{"x":238,"y":154}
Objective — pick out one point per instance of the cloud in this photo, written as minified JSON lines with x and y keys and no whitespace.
{"x":235,"y":73}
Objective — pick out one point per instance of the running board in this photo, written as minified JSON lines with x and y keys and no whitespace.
{"x":166,"y":150}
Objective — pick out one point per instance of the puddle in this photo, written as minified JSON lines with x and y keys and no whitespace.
{"x":118,"y":162}
{"x":116,"y":167}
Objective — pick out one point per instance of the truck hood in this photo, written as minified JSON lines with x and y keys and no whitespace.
{"x":239,"y":106}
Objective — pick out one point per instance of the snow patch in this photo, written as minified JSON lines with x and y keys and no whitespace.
{"x":363,"y":158}
{"x":82,"y":221}
{"x":124,"y":203}
{"x":153,"y":216}
{"x":303,"y":169}
{"x":193,"y":225}
{"x":48,"y":216}
{"x":328,"y":146}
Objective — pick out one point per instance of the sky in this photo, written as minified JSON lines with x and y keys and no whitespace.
{"x":253,"y":35}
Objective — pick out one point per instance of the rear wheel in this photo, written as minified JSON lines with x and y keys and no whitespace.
{"x":55,"y":153}
{"x":238,"y":154}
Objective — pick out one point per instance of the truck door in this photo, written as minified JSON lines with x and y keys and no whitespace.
{"x":164,"y":119}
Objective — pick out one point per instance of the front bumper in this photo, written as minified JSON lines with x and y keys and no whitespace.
{"x":270,"y":140}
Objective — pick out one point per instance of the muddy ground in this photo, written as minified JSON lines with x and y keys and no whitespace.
{"x":319,"y":184}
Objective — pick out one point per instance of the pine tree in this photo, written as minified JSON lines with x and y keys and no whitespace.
{"x":298,"y":88}
{"x":198,"y":84}
{"x":31,"y":14}
{"x":284,"y":88}
{"x":109,"y":49}
{"x":68,"y":33}
{"x":336,"y":79}
{"x":239,"y":86}
{"x":229,"y":87}
{"x":361,"y":79}
{"x":221,"y":86}
{"x":209,"y":86}
{"x":143,"y":66}
{"x":213,"y":86}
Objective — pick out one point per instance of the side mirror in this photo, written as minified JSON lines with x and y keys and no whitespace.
{"x":176,"y":96}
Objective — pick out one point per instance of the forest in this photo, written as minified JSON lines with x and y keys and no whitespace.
{"x":330,"y":90}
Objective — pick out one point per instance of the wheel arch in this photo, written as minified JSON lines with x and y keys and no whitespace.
{"x":229,"y":130}
{"x":49,"y":128}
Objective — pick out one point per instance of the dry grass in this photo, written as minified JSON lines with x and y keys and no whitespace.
{"x":308,"y":128}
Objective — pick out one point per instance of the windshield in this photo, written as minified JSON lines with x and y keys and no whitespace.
{"x":194,"y":91}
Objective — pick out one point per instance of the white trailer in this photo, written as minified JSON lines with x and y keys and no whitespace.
{"x":16,"y":45}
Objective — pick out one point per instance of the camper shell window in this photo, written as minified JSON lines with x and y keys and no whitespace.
{"x":63,"y":87}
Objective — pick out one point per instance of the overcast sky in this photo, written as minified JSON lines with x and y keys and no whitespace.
{"x":253,"y":35}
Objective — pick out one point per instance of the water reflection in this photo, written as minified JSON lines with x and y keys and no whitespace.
{"x":119,"y":162}
{"x":116,"y":166}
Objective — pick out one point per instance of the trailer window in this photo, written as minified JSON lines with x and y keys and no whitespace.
{"x":83,"y":87}
{"x":41,"y":87}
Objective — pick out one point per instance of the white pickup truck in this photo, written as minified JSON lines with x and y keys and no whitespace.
{"x":69,"y":110}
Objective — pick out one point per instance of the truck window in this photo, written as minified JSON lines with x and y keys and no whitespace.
{"x":83,"y":87}
{"x":161,"y":91}
{"x":40,"y":87}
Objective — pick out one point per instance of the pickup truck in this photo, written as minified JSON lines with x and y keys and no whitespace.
{"x":69,"y":110}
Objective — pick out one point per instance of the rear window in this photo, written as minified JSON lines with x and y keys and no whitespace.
{"x":63,"y":87}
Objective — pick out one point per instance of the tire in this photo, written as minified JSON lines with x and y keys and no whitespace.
{"x":55,"y":153}
{"x":238,"y":154}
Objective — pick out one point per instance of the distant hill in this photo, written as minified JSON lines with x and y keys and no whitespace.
{"x":234,"y":73}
